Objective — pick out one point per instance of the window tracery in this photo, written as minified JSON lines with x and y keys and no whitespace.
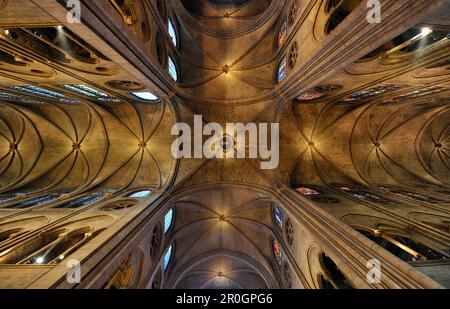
{"x":293,"y":55}
{"x":293,"y":12}
{"x":289,"y":231}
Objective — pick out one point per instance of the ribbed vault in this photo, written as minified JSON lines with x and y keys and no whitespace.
{"x":379,"y":122}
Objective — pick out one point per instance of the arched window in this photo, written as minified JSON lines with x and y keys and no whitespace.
{"x":9,"y":234}
{"x":278,"y":216}
{"x":173,"y":69}
{"x":140,"y":194}
{"x":60,"y":248}
{"x":305,"y":191}
{"x":48,"y":248}
{"x":338,"y":11}
{"x":90,"y":93}
{"x":37,"y":201}
{"x":6,"y":198}
{"x":403,"y":247}
{"x":316,"y":195}
{"x":45,"y":93}
{"x":364,"y":194}
{"x":122,"y":278}
{"x":372,"y":92}
{"x":168,"y":220}
{"x":172,"y":32}
{"x":411,"y":195}
{"x":311,"y":95}
{"x":319,"y":92}
{"x":282,"y":35}
{"x":420,"y":93}
{"x":145,"y":96}
{"x":334,"y":274}
{"x":325,"y":284}
{"x":416,"y":38}
{"x":86,"y":199}
{"x":168,"y":257}
{"x":277,"y":253}
{"x":282,"y":69}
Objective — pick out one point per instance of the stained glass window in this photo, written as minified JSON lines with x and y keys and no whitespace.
{"x":282,"y":35}
{"x":34,"y":202}
{"x":364,"y":194}
{"x":278,"y":215}
{"x":319,"y":92}
{"x":44,"y":93}
{"x":168,"y":257}
{"x":277,"y":251}
{"x":372,"y":92}
{"x":37,"y":201}
{"x":418,"y":197}
{"x":90,"y":93}
{"x":140,"y":194}
{"x":173,"y":69}
{"x":14,"y":97}
{"x":311,"y":95}
{"x":172,"y":33}
{"x":86,"y":199}
{"x":8,"y":96}
{"x":282,"y":70}
{"x":11,"y":197}
{"x":422,"y":93}
{"x":168,"y":220}
{"x":306,"y":191}
{"x":412,"y":195}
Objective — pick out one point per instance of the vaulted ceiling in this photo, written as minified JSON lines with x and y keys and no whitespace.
{"x":227,"y":58}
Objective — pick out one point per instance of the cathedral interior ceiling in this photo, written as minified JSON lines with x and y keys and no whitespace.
{"x":372,"y":120}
